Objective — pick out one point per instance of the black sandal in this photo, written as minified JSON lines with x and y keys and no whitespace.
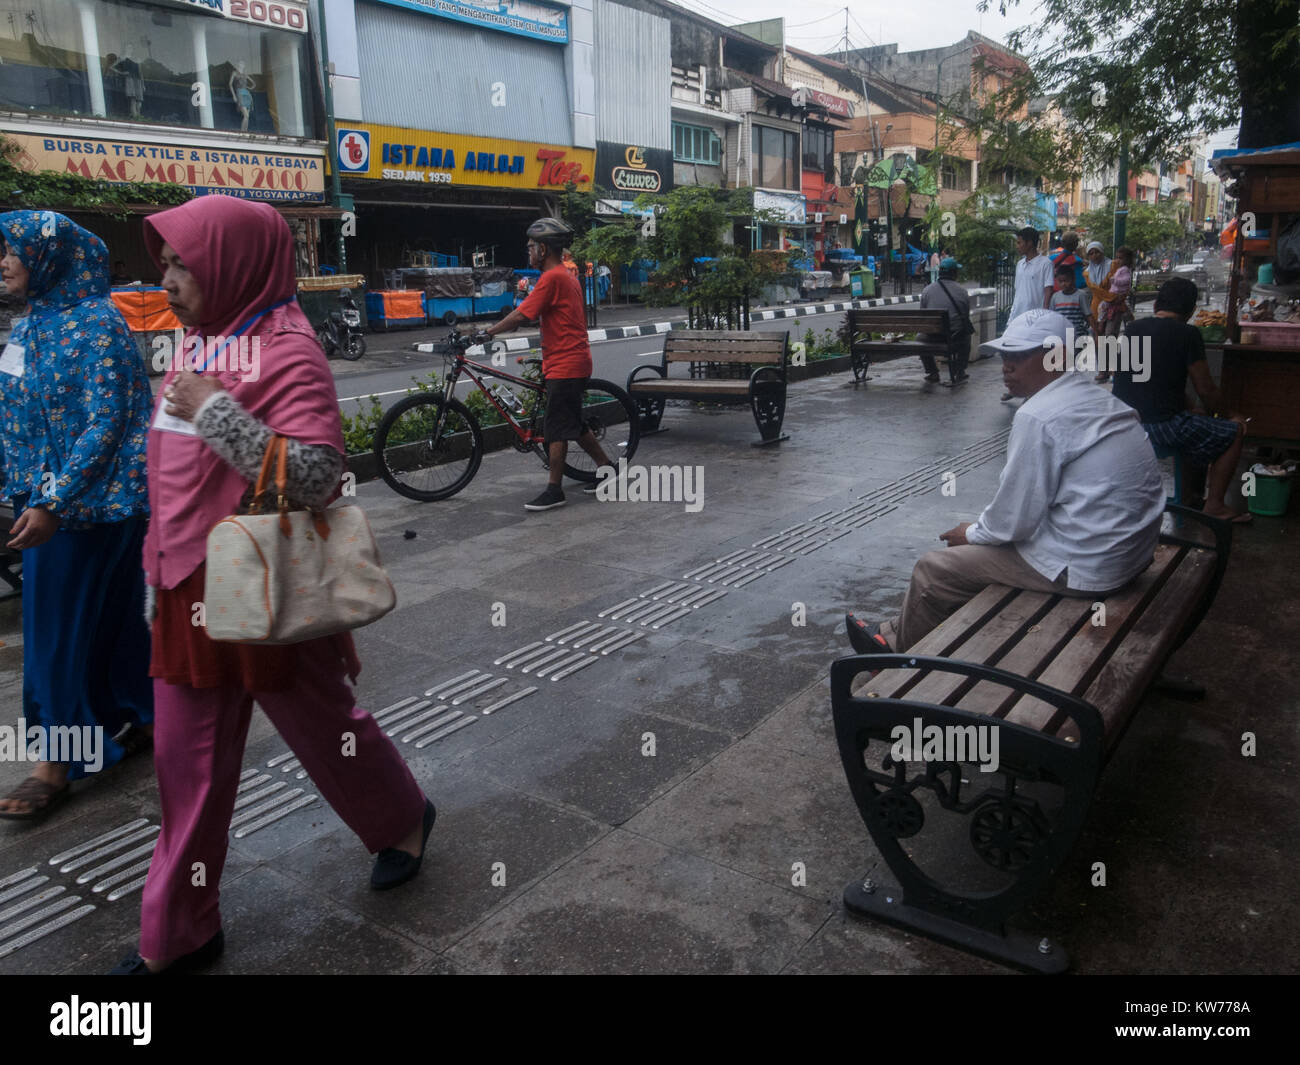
{"x":42,"y":796}
{"x":133,"y":740}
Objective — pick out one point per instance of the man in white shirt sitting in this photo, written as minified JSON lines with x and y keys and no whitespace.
{"x":1078,"y":506}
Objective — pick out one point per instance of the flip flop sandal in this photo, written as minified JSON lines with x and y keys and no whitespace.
{"x":42,"y":796}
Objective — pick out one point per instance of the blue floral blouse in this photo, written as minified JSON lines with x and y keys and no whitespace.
{"x":74,"y":418}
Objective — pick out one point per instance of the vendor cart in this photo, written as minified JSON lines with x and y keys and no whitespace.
{"x":1261,"y":361}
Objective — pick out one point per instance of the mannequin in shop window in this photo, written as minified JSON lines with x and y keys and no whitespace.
{"x":133,"y":86}
{"x":241,"y":91}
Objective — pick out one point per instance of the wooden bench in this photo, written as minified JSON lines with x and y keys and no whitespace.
{"x":1059,"y":690}
{"x":724,"y":367}
{"x":866,"y":323}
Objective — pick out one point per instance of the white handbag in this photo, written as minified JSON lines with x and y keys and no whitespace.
{"x":292,"y":575}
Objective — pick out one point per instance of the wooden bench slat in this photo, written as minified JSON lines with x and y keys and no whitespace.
{"x":1028,"y":658}
{"x":1082,"y":658}
{"x":670,"y":386}
{"x":902,"y":347}
{"x":757,"y":358}
{"x":1128,"y":672}
{"x":892,"y":683}
{"x":987,"y":644}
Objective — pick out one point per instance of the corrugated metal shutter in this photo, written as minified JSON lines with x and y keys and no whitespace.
{"x":633,"y":77}
{"x":431,"y":73}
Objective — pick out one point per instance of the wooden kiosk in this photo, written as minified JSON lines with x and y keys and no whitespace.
{"x":1261,"y":379}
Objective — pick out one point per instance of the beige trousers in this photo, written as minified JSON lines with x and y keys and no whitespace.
{"x":945,"y":580}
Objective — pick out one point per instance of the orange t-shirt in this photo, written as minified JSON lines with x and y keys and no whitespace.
{"x":556,"y":300}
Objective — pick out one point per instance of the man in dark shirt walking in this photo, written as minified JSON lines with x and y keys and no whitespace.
{"x":1177,"y":353}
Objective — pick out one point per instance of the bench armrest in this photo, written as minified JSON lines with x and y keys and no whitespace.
{"x":778,"y":370}
{"x":657,"y":370}
{"x":1222,"y":547}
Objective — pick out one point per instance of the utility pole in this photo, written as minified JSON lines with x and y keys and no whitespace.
{"x":1121,"y":196}
{"x":336,"y":194}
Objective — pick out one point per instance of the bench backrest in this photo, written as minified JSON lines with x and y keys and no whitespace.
{"x":892,"y":321}
{"x":732,"y":346}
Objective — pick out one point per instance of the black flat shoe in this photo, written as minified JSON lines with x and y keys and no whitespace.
{"x":133,"y":964}
{"x":393,"y":866}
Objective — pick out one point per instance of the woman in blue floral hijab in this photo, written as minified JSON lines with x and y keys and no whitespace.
{"x":74,"y":416}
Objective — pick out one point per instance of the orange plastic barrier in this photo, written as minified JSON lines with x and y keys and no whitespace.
{"x":145,"y":309}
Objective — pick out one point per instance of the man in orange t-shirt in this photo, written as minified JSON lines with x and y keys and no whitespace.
{"x":556,"y":301}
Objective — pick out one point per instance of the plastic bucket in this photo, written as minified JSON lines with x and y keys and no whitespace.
{"x":1272,"y":495}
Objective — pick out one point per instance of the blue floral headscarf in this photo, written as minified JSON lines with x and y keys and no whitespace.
{"x":80,"y":408}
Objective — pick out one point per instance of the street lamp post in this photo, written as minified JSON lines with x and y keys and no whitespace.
{"x":332,"y":150}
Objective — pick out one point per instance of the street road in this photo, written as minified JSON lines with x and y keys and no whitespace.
{"x":389,"y":364}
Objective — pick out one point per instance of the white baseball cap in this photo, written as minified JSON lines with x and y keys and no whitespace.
{"x":1030,"y":332}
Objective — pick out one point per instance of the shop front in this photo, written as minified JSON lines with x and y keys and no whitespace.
{"x":291,"y":179}
{"x":429,"y":199}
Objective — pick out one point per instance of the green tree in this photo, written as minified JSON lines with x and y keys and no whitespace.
{"x":1150,"y":225}
{"x":1155,"y":73}
{"x":986,"y":223}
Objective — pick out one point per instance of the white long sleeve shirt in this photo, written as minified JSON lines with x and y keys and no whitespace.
{"x":1081,"y":488}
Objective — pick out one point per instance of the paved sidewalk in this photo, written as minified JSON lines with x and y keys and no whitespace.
{"x":652,"y":811}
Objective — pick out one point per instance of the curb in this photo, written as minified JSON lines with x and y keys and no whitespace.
{"x":624,"y":332}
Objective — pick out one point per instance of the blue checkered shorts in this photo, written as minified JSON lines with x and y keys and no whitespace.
{"x":1197,"y":436}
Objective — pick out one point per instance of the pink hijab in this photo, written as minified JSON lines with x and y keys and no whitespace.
{"x":241,"y":254}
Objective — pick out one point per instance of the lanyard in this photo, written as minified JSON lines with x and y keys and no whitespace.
{"x":241,"y":331}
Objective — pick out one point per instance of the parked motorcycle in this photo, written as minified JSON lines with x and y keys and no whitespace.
{"x":341,"y":332}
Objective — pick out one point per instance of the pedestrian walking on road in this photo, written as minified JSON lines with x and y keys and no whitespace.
{"x":228,"y":270}
{"x":74,"y":414}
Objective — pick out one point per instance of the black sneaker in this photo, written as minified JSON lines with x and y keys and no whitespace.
{"x":933,"y":378}
{"x":550,"y":499}
{"x":590,"y":489}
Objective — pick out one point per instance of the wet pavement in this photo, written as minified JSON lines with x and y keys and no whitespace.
{"x":677,"y":804}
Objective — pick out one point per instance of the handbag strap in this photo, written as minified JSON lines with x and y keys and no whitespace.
{"x":277,"y":458}
{"x":955,"y":307}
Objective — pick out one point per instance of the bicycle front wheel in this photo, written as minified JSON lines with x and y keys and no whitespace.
{"x":611,"y":416}
{"x":428,"y":448}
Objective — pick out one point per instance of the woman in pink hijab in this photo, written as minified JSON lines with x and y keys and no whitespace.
{"x":228,"y":271}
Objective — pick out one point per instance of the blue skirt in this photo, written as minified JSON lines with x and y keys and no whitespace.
{"x":85,"y":642}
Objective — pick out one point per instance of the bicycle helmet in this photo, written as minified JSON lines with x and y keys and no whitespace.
{"x":552,"y":232}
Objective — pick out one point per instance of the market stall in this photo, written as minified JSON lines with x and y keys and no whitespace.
{"x":1261,"y":350}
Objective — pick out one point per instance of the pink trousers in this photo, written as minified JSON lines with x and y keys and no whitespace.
{"x":199,"y":736}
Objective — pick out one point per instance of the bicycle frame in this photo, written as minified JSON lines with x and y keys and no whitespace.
{"x":527,"y":436}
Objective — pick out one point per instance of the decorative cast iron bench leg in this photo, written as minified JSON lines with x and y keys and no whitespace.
{"x":1008,"y":829}
{"x":767,"y":401}
{"x":651,"y":410}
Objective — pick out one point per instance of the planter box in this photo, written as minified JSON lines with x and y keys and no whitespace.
{"x":820,"y":368}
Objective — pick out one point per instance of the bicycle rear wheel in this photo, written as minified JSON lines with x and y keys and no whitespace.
{"x":611,"y":416}
{"x":428,"y":448}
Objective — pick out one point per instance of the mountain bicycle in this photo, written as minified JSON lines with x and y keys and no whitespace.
{"x":429,"y":445}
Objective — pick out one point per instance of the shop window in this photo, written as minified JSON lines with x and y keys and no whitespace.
{"x":956,"y":175}
{"x":139,"y":63}
{"x":696,"y":144}
{"x":776,"y":158}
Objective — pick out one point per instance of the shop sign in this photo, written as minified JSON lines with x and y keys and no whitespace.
{"x":202,"y":168}
{"x":633,"y":169}
{"x":392,"y":153}
{"x":835,"y":105}
{"x":275,"y":14}
{"x":788,"y":207}
{"x":525,"y":18}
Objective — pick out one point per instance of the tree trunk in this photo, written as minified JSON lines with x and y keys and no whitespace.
{"x":1270,"y":104}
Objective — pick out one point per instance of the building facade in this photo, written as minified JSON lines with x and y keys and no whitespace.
{"x":217,"y":96}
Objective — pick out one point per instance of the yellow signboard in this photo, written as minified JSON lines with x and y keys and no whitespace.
{"x":392,"y":153}
{"x":235,"y":171}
